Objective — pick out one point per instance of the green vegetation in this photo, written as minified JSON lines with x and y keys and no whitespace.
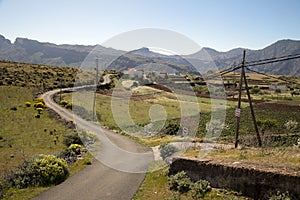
{"x":156,"y":186}
{"x":40,"y":77}
{"x":44,"y":170}
{"x":24,"y":136}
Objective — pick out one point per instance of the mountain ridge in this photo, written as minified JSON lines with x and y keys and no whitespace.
{"x":33,"y":51}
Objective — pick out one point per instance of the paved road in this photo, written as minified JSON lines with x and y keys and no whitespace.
{"x":116,"y":173}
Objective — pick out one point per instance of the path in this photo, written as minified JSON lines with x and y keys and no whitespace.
{"x":119,"y":174}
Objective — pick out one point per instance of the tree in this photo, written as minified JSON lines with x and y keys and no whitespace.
{"x":266,"y":125}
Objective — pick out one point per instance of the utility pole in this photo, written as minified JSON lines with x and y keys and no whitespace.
{"x":96,"y":79}
{"x":238,"y":110}
{"x":60,"y":92}
{"x":252,"y":110}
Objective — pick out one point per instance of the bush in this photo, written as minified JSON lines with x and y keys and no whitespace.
{"x":255,"y":90}
{"x":266,"y":124}
{"x":50,"y":170}
{"x":44,"y":170}
{"x":200,"y":188}
{"x":278,"y":91}
{"x":180,"y":182}
{"x":75,"y":148}
{"x":39,"y":105}
{"x":280,"y":196}
{"x":167,"y":150}
{"x":171,"y":128}
{"x":68,"y":155}
{"x":71,"y":138}
{"x":64,"y":103}
{"x":39,"y":110}
{"x":27,"y":104}
{"x":291,"y":125}
{"x":69,"y":105}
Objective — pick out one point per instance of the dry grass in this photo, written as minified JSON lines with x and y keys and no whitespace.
{"x":280,"y":158}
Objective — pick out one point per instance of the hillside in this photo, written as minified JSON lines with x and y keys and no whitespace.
{"x":32,"y":51}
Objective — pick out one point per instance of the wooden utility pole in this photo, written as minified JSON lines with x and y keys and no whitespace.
{"x":252,"y":110}
{"x":238,"y":110}
{"x":96,"y":79}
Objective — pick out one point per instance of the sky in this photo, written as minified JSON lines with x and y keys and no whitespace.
{"x":218,"y":24}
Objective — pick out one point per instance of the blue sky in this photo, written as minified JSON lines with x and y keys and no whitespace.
{"x":219,"y":24}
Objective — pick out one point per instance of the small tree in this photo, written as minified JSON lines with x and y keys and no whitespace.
{"x":267,"y":124}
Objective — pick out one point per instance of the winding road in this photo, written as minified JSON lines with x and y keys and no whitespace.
{"x":117,"y":171}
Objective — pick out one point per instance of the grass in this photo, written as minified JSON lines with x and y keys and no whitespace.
{"x":80,"y":164}
{"x":21,"y":194}
{"x":25,"y":136}
{"x":155,"y":186}
{"x":279,"y":157}
{"x":146,"y":103}
{"x":28,"y":193}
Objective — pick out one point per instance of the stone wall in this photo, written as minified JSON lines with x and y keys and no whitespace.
{"x":250,"y":182}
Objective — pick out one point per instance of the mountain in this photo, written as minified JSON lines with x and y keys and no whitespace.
{"x":32,"y":51}
{"x":278,"y":49}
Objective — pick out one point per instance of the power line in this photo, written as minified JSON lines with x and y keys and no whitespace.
{"x":269,"y":61}
{"x":255,"y":63}
{"x":270,"y":76}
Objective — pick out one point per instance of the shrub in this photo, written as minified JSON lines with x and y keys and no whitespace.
{"x":291,"y":125}
{"x":50,"y":170}
{"x":39,"y":105}
{"x":44,"y":170}
{"x":278,"y":91}
{"x":171,"y":128}
{"x":200,"y":188}
{"x":180,"y":182}
{"x":14,"y":108}
{"x":69,"y":105}
{"x":167,"y":150}
{"x":64,"y":103}
{"x":75,"y":148}
{"x":280,"y":196}
{"x":39,"y":100}
{"x":27,"y":104}
{"x":255,"y":90}
{"x":71,"y":138}
{"x":68,"y":155}
{"x":266,"y":124}
{"x":39,"y":110}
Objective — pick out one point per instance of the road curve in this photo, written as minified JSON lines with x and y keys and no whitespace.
{"x":113,"y":177}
